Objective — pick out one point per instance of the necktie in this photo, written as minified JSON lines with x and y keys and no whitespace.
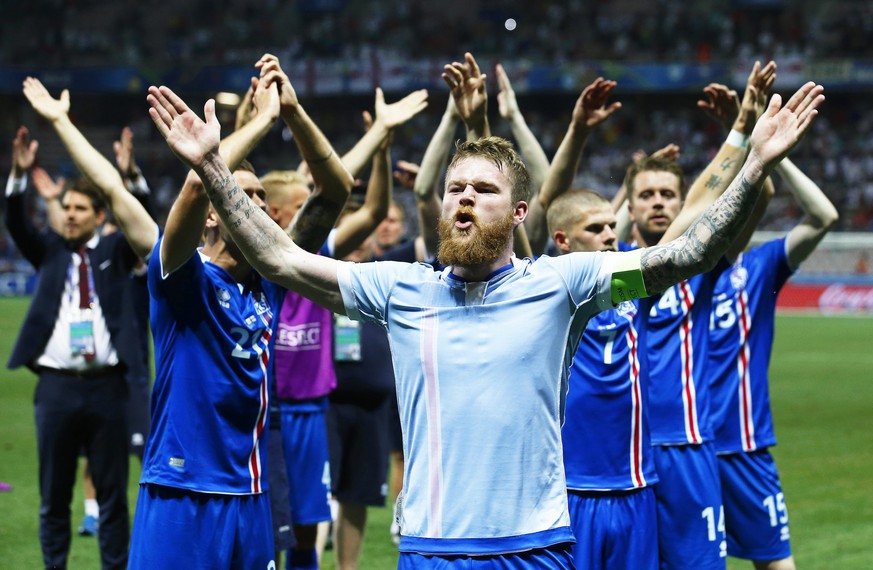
{"x":84,"y":288}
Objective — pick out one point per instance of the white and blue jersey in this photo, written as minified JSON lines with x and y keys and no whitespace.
{"x":741,"y":341}
{"x":674,"y":343}
{"x":606,"y":432}
{"x":210,"y":397}
{"x":481,"y":370}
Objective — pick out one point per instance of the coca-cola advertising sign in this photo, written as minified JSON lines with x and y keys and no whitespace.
{"x":828,"y":298}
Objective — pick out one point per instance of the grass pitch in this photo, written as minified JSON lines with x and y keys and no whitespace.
{"x":822,"y":392}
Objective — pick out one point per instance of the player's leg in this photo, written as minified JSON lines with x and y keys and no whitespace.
{"x":277,"y":478}
{"x":756,"y":518}
{"x":359,"y":449}
{"x":304,"y":443}
{"x":91,"y":519}
{"x":689,"y":505}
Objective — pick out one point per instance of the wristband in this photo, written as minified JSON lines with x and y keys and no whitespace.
{"x":737,"y":139}
{"x":15,"y":185}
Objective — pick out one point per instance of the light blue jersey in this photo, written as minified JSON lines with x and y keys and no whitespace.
{"x":481,"y":371}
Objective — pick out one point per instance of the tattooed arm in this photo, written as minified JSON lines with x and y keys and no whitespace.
{"x":332,"y":181}
{"x":723,"y":106}
{"x":265,"y":245}
{"x":187,"y":217}
{"x":702,"y":244}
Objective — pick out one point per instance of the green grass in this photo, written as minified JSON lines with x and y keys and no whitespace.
{"x":822,"y":391}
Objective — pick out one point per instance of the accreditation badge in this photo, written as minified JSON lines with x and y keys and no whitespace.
{"x":346,"y":339}
{"x":82,"y":334}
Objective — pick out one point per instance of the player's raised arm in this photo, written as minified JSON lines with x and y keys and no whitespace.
{"x":333,"y":183}
{"x":187,"y":217}
{"x":699,"y":248}
{"x":467,"y":85}
{"x":821,"y":215}
{"x":139,"y":229}
{"x":355,"y":227}
{"x":269,"y":249}
{"x":723,"y":105}
{"x":590,"y":110}
{"x":427,"y":185}
{"x":388,"y":117}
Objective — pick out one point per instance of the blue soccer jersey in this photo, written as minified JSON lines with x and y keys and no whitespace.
{"x":210,"y":397}
{"x":481,"y":371}
{"x":606,"y":432}
{"x":741,"y":338}
{"x":674,"y":343}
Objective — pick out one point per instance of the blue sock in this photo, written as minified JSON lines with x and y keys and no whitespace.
{"x":305,"y":559}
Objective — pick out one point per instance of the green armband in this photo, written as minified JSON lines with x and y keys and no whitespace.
{"x":627,"y":280}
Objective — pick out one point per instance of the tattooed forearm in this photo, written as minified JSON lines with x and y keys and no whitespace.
{"x":700,"y":247}
{"x":714,"y":182}
{"x":313,"y":222}
{"x":728,"y":163}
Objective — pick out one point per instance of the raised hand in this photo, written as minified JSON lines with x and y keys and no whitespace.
{"x":467,"y":84}
{"x":507,"y":104}
{"x":669,"y":152}
{"x":720,"y":103}
{"x":591,"y":108}
{"x":48,"y":188}
{"x":189,"y":137}
{"x":401,"y":111}
{"x":405,"y":173}
{"x":287,"y":96}
{"x":123,"y":148}
{"x":246,"y":110}
{"x":23,"y":152}
{"x":781,"y":127}
{"x":755,"y":96}
{"x":266,"y":100}
{"x":48,"y":107}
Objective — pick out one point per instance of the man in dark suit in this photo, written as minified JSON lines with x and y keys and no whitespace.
{"x":80,"y":336}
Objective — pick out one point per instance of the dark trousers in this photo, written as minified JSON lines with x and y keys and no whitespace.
{"x":74,"y":414}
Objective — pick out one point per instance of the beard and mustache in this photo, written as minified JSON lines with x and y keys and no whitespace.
{"x":477,"y":245}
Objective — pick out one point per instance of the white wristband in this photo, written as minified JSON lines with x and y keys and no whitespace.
{"x":737,"y":139}
{"x":16,"y":185}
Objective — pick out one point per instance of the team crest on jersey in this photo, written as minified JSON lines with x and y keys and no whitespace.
{"x":627,"y":309}
{"x":223,"y":296}
{"x":250,"y":321}
{"x":261,"y":306}
{"x":739,"y":277}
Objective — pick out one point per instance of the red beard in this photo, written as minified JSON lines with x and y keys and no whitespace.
{"x":479,"y":244}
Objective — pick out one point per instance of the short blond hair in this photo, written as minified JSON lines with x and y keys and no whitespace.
{"x":570,"y":207}
{"x":277,"y":183}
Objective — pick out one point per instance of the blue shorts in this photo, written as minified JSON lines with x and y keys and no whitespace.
{"x":555,"y":557}
{"x":690,"y":515}
{"x":174,"y":528}
{"x":755,"y":516}
{"x":614,"y":529}
{"x":304,"y":443}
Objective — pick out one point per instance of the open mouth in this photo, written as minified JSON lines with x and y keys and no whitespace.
{"x":464,"y":219}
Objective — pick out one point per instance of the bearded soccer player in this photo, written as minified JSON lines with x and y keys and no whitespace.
{"x":480,"y":390}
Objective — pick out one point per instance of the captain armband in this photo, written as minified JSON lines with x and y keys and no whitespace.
{"x":627,"y":279}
